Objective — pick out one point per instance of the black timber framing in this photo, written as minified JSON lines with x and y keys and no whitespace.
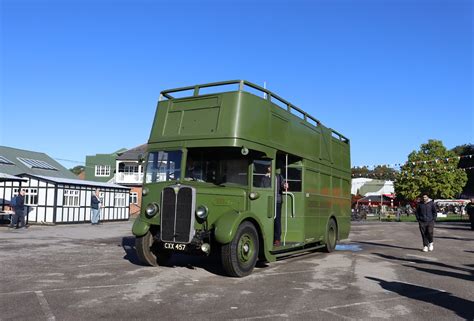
{"x":113,"y":213}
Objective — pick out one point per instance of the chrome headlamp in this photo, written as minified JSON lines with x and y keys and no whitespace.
{"x":254,"y":195}
{"x":152,"y":209}
{"x":202,"y":212}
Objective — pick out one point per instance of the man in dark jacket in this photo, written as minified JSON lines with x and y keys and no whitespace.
{"x":19,"y":209}
{"x":426,"y":216}
{"x":281,"y":185}
{"x":470,"y":212}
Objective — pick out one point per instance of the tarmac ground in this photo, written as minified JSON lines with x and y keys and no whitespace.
{"x":83,"y":272}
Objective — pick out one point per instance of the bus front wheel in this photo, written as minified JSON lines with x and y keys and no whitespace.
{"x":331,"y":236}
{"x":147,"y":251}
{"x":240,"y":255}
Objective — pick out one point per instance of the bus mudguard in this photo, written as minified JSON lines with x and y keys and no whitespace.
{"x":226,"y":227}
{"x":140,"y":227}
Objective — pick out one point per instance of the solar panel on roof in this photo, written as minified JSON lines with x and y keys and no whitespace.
{"x":34,"y":163}
{"x":3,"y":160}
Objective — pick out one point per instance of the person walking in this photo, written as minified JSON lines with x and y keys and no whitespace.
{"x":470,"y":212}
{"x":19,"y":209}
{"x":280,"y":185}
{"x":95,"y":207}
{"x":426,"y":216}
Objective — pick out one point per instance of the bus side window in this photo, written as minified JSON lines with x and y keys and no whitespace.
{"x":294,"y":179}
{"x":291,"y":166}
{"x":261,"y":173}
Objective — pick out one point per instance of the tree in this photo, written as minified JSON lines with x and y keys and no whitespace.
{"x":360,"y":172}
{"x":432,"y":170}
{"x":382,"y":172}
{"x":467,"y":161}
{"x":77,"y":169}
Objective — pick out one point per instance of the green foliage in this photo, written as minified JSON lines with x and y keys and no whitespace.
{"x":77,"y":169}
{"x":382,"y":172}
{"x":465,"y":162}
{"x":432,"y":170}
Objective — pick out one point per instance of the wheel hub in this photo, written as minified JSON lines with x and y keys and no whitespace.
{"x":245,"y":248}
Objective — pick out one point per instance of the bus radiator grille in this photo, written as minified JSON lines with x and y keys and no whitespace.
{"x":177,"y":214}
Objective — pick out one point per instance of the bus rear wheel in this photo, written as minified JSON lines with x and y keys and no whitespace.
{"x":331,"y":236}
{"x":147,"y":251}
{"x":240,"y":255}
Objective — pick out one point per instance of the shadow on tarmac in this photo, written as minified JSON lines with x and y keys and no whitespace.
{"x":445,"y":273}
{"x":458,"y":228}
{"x":460,"y":306}
{"x":418,"y":261}
{"x":128,"y":245}
{"x":453,"y":238}
{"x":211,"y":264}
{"x":389,"y":245}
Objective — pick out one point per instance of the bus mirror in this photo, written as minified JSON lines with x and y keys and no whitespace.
{"x":244,"y":151}
{"x":141,"y":159}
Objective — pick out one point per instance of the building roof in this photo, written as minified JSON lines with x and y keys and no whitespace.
{"x":375,"y":199}
{"x":369,"y":186}
{"x":11,"y":178}
{"x":14,"y":161}
{"x":134,"y":153}
{"x":81,"y":182}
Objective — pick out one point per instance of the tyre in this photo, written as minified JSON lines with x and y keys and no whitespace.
{"x":240,"y":255}
{"x":147,"y":251}
{"x":331,"y":236}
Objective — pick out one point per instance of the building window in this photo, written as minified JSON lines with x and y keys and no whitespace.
{"x":120,"y":200}
{"x":71,"y":198}
{"x":31,"y":195}
{"x":133,"y":198}
{"x":130,"y":169}
{"x":102,"y":170}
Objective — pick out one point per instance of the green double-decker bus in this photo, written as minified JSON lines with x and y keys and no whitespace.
{"x":236,"y":170}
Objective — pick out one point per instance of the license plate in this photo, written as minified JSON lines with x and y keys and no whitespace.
{"x":174,"y":246}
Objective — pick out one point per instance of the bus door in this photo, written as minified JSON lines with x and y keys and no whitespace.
{"x":263,"y":186}
{"x":292,"y":212}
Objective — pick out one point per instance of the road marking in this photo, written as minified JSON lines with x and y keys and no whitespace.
{"x":45,"y":306}
{"x":74,"y":289}
{"x":280,"y":273}
{"x":100,"y":264}
{"x":424,"y":257}
{"x":338,"y":315}
{"x":282,"y":315}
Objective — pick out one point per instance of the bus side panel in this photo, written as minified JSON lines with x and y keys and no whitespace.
{"x":344,"y":221}
{"x":313,"y":230}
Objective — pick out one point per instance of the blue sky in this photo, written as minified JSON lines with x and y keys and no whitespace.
{"x":83,"y":77}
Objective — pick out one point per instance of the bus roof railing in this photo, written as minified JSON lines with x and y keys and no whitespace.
{"x":267,"y":94}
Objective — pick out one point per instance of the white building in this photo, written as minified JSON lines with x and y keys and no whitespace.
{"x":53,"y":193}
{"x":368,"y":186}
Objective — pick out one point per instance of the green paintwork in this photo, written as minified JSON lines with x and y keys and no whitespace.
{"x":101,"y":159}
{"x":246,"y":248}
{"x":140,"y":227}
{"x":237,"y":118}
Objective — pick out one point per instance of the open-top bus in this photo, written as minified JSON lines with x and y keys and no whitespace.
{"x":210,"y":149}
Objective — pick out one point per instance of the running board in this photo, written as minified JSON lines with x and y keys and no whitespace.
{"x":290,"y":249}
